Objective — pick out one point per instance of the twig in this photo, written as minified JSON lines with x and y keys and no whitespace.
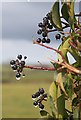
{"x":40,"y":68}
{"x":69,"y":67}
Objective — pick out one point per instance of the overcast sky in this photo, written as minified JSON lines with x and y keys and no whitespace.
{"x":19,"y":24}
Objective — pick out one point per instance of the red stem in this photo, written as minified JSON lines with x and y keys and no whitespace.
{"x":40,"y":68}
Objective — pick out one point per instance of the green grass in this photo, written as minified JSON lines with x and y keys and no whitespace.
{"x":16,"y":95}
{"x":17,"y":102}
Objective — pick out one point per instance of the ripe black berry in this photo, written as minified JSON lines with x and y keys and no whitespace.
{"x":43,"y":40}
{"x":12,"y":62}
{"x":45,"y":95}
{"x":48,"y":15}
{"x":41,"y":106}
{"x":39,"y":31}
{"x":33,"y":96}
{"x":37,"y":94}
{"x":45,"y":20}
{"x":41,"y":90}
{"x":44,"y":34}
{"x":14,"y":67}
{"x":22,"y":63}
{"x":25,"y":57}
{"x":50,"y":26}
{"x":40,"y":24}
{"x":47,"y":40}
{"x":18,"y":75}
{"x":38,"y":40}
{"x":35,"y":103}
{"x":19,"y":57}
{"x":58,"y":36}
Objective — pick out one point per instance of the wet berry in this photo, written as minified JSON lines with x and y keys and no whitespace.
{"x":19,"y":57}
{"x":45,"y":20}
{"x":48,"y":16}
{"x":25,"y":57}
{"x":50,"y":26}
{"x":40,"y":24}
{"x":22,"y":63}
{"x":58,"y":36}
{"x":18,"y":75}
{"x":14,"y":67}
{"x":12,"y":62}
{"x":44,"y":34}
{"x":41,"y":106}
{"x":39,"y":31}
{"x":35,"y":103}
{"x":47,"y":40}
{"x":41,"y":90}
{"x":37,"y":94}
{"x":45,"y":95}
{"x":43,"y":40}
{"x":38,"y":40}
{"x":34,"y":96}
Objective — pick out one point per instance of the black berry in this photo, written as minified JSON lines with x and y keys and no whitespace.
{"x":45,"y":95}
{"x":47,"y":40}
{"x":45,"y":20}
{"x":25,"y":57}
{"x":58,"y":36}
{"x":18,"y":75}
{"x":14,"y":67}
{"x":22,"y":63}
{"x":48,"y":15}
{"x":12,"y":62}
{"x":43,"y":40}
{"x":50,"y":26}
{"x":37,"y":94}
{"x":35,"y":103}
{"x":39,"y":31}
{"x":40,"y":24}
{"x":38,"y":40}
{"x":19,"y":57}
{"x":44,"y":34}
{"x":34,"y":96}
{"x":41,"y":90}
{"x":41,"y":106}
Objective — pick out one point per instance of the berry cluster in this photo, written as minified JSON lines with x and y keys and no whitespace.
{"x":18,"y":65}
{"x":39,"y":96}
{"x":45,"y":26}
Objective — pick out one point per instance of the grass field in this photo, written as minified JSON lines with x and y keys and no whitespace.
{"x":16,"y":95}
{"x":17,"y":102}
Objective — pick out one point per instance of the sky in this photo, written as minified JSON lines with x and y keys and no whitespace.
{"x":19,"y":25}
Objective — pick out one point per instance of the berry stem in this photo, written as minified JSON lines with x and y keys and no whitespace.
{"x":59,"y":30}
{"x":40,"y":68}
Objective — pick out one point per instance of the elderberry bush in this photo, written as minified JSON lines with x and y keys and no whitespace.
{"x":39,"y":97}
{"x":18,"y":65}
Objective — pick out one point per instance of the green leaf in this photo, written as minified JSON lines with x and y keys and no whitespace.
{"x":59,"y":82}
{"x":53,"y":91}
{"x":56,"y":16}
{"x":64,"y":12}
{"x":64,"y":49}
{"x":52,"y":106}
{"x":75,"y":113}
{"x":61,"y":106}
{"x":44,"y":113}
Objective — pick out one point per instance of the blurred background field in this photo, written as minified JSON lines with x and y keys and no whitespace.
{"x":16,"y":95}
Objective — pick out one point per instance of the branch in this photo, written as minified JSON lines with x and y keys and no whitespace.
{"x":40,"y":68}
{"x":69,"y":67}
{"x":35,"y":42}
